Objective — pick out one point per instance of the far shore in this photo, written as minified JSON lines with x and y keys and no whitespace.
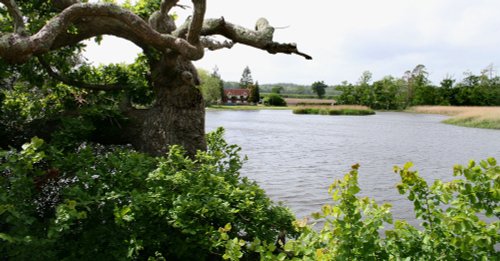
{"x":466,"y":116}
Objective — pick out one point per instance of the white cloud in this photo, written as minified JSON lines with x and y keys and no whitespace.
{"x":346,"y":38}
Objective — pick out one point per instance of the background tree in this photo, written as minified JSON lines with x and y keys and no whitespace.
{"x":210,"y":87}
{"x":41,"y":43}
{"x":414,"y":88}
{"x":319,"y":88}
{"x":416,"y":82}
{"x":254,"y":93}
{"x":365,"y":89}
{"x":274,"y":99}
{"x":246,"y":78}
{"x":215,"y":74}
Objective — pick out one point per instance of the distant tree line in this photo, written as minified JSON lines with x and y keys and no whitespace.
{"x":290,"y":90}
{"x":414,"y":88}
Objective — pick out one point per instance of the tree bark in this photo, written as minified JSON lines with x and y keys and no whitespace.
{"x":178,"y":116}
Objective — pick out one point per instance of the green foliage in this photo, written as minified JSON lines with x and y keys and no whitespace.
{"x":144,"y":8}
{"x":454,"y":227}
{"x":210,"y":87}
{"x":460,"y":221}
{"x":414,"y":88}
{"x":33,"y":104}
{"x":119,"y":204}
{"x":274,"y":99}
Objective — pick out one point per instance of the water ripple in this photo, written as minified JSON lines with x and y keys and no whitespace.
{"x":294,"y":158}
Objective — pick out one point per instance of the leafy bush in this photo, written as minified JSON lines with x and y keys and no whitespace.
{"x":274,"y":99}
{"x":454,"y":219}
{"x":120,"y":204}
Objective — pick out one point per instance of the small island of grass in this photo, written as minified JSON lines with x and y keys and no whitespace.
{"x":355,"y":110}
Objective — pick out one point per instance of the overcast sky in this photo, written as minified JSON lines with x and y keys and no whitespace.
{"x":345,"y":38}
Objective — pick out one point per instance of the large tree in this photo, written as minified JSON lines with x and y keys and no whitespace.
{"x":49,"y":35}
{"x":246,"y":79}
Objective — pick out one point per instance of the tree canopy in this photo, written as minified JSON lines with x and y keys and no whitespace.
{"x":414,"y":88}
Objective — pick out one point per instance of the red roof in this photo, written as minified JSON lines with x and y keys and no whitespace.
{"x":237,"y":92}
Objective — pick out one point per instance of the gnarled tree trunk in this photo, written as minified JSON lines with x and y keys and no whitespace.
{"x":178,"y":116}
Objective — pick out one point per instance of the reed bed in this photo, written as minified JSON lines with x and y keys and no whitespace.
{"x":356,"y":110}
{"x":467,"y":116}
{"x":299,"y":102}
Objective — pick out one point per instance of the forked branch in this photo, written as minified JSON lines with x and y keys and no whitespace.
{"x":18,"y":48}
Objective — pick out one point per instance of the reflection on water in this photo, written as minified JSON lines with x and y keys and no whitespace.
{"x":296,"y":157}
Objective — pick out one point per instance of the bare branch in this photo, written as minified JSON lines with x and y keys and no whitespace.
{"x":16,"y":14}
{"x":18,"y":48}
{"x":68,"y":81}
{"x":193,"y":35}
{"x":212,"y":44}
{"x":261,"y":37}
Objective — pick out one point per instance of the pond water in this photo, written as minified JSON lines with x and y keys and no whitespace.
{"x":295,"y":158}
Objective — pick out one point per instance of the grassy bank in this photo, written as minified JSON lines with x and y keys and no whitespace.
{"x":245,"y":107}
{"x":476,"y":117}
{"x":334,"y":110}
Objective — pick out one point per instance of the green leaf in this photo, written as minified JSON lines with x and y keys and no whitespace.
{"x":408,"y":165}
{"x":492,"y":161}
{"x":6,"y":237}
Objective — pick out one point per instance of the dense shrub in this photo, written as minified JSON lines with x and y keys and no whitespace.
{"x":274,"y":99}
{"x":112,"y":203}
{"x":459,"y":219}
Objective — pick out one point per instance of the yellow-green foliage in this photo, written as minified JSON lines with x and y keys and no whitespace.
{"x":451,"y":215}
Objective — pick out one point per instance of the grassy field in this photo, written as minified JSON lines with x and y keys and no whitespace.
{"x":334,"y":110}
{"x":477,"y":117}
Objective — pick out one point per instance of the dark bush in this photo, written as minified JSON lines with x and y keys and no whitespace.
{"x":274,"y":99}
